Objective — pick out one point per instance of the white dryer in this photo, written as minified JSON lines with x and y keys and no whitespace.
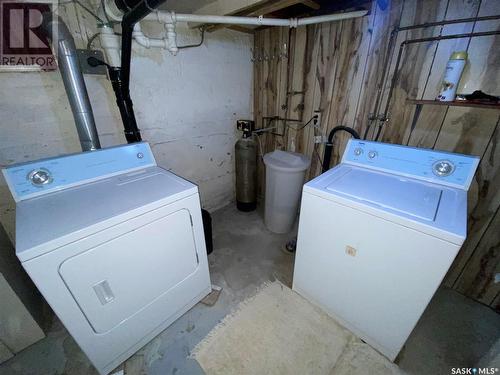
{"x":113,"y":242}
{"x":377,"y":234}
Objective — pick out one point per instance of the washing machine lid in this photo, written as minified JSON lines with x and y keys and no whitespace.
{"x":396,"y":193}
{"x":47,"y":222}
{"x":434,"y":209}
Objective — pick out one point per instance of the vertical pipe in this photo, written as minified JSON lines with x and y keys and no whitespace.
{"x":138,"y":12}
{"x":74,"y":83}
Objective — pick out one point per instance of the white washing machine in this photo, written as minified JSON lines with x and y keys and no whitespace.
{"x":377,"y":234}
{"x":113,"y":242}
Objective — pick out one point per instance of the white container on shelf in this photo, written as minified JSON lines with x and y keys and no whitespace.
{"x":454,"y":69}
{"x":285,"y":172}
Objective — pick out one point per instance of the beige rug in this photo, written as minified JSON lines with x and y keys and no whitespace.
{"x":278,"y":332}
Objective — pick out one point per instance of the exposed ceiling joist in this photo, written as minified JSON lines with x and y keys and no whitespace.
{"x":273,"y":6}
{"x":241,"y":29}
{"x":230,"y":7}
{"x":311,"y":4}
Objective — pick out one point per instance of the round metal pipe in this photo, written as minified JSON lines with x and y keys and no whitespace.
{"x":74,"y":84}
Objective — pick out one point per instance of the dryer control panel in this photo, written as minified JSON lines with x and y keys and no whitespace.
{"x":455,"y":170}
{"x":28,"y":180}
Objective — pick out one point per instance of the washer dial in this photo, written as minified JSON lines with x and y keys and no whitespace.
{"x":40,"y":177}
{"x":443,"y":168}
{"x":358,"y":151}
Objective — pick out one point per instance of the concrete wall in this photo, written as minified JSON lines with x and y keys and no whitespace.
{"x":186,"y":107}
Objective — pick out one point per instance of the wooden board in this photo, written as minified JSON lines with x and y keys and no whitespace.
{"x":428,"y":124}
{"x":378,"y":58}
{"x":344,"y":69}
{"x":484,"y":200}
{"x":270,"y":85}
{"x":353,"y":47}
{"x":478,"y":275}
{"x":413,"y":68}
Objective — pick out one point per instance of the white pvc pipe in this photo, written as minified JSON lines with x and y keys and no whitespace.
{"x":171,"y":17}
{"x":331,"y":17}
{"x":110,"y":43}
{"x":168,"y":43}
{"x":145,"y":41}
{"x":261,"y":21}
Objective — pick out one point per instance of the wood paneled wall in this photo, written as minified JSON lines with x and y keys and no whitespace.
{"x":341,"y":68}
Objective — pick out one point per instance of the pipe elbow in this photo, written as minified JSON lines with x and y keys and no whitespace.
{"x":110,"y":43}
{"x":173,"y":50}
{"x":140,"y":38}
{"x":166,"y":17}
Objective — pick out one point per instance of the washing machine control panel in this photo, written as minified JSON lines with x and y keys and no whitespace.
{"x":441,"y":167}
{"x":28,"y":180}
{"x":40,"y":176}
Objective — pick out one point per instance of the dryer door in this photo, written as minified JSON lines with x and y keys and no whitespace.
{"x":117,"y":279}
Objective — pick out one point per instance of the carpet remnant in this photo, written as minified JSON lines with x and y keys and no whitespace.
{"x":272,"y":332}
{"x":278,"y":332}
{"x":359,"y":358}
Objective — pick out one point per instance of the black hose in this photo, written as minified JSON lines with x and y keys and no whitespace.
{"x":138,"y":10}
{"x":329,"y":146}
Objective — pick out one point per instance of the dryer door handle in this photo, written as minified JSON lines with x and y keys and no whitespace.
{"x":104,"y":292}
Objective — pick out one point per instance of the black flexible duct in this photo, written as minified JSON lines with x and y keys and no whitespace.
{"x":120,"y":77}
{"x":329,"y":146}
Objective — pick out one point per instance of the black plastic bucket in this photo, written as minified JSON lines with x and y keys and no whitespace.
{"x":207,"y":229}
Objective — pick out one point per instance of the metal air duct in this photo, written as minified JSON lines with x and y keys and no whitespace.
{"x":62,"y":41}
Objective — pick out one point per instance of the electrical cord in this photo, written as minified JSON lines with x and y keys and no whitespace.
{"x":202,"y":30}
{"x":93,"y":37}
{"x":367,"y":131}
{"x":315,"y":150}
{"x":303,"y":126}
{"x":379,"y":130}
{"x":85,"y":8}
{"x":91,"y":40}
{"x":261,"y":149}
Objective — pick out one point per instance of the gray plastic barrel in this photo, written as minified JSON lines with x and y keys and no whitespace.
{"x":285,"y":172}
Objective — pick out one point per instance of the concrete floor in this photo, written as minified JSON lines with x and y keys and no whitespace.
{"x":454,"y":331}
